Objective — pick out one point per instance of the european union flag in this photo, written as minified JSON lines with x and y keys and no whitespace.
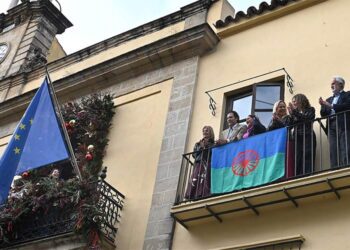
{"x":37,"y":141}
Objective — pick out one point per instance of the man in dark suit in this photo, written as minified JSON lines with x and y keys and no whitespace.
{"x":337,"y":107}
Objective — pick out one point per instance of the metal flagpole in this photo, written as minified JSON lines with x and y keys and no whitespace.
{"x":59,"y":115}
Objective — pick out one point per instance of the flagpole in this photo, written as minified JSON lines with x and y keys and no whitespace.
{"x":65,"y":133}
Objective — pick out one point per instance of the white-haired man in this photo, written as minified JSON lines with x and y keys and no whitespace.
{"x":338,"y":125}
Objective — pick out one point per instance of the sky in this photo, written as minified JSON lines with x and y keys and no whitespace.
{"x":97,"y":20}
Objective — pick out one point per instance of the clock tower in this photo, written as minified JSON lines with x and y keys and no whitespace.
{"x":27,"y":32}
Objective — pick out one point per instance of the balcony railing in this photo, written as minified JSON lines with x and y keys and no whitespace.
{"x":60,"y":221}
{"x":313,"y":147}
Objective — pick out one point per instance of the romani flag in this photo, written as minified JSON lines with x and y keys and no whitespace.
{"x":249,"y":162}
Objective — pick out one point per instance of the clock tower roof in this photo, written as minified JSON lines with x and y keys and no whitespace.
{"x":27,"y":33}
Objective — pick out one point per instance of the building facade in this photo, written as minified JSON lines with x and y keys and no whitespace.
{"x":171,"y":77}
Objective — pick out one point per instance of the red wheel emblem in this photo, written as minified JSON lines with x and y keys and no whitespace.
{"x":245,"y":162}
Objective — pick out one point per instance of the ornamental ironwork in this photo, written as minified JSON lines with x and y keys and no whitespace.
{"x":61,"y":221}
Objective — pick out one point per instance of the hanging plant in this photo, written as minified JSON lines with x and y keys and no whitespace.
{"x":38,"y":191}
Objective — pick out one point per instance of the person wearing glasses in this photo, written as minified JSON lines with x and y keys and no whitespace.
{"x":338,"y":122}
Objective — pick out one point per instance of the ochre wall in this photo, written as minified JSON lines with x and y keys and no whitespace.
{"x":132,"y":156}
{"x":56,"y":51}
{"x":312,"y":45}
{"x":323,"y":221}
{"x":3,"y":143}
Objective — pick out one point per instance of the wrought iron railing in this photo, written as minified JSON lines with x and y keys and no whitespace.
{"x":59,"y":221}
{"x":111,"y":203}
{"x":315,"y":146}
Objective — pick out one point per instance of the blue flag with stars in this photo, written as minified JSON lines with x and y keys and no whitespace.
{"x":37,"y":141}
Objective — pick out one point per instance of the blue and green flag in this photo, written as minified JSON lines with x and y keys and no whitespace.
{"x":248,"y":163}
{"x":37,"y":141}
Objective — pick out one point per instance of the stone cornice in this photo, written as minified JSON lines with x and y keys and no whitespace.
{"x":158,"y":24}
{"x":186,"y":44}
{"x":28,"y":9}
{"x":142,"y":30}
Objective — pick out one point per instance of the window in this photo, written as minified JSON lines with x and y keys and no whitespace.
{"x":285,"y":243}
{"x":284,"y":246}
{"x":257,"y":99}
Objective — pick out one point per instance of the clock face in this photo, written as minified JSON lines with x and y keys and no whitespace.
{"x":4,"y":48}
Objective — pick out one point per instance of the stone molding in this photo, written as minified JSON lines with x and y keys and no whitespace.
{"x":28,"y":9}
{"x":186,"y":44}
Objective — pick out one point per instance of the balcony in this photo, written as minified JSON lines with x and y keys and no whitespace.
{"x":57,"y":225}
{"x":316,"y":175}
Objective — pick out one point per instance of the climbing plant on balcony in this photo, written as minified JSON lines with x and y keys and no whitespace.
{"x":87,"y":122}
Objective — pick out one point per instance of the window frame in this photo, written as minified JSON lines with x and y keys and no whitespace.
{"x":251,"y":90}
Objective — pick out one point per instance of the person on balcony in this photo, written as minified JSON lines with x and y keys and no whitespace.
{"x":55,"y":174}
{"x":254,"y":126}
{"x":279,"y":119}
{"x":301,"y":118}
{"x":279,"y":115}
{"x":338,"y":124}
{"x":199,"y":182}
{"x":234,"y":132}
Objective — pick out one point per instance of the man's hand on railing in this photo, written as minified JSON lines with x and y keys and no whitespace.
{"x":221,"y":142}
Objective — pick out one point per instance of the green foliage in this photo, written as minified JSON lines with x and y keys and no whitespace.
{"x":87,"y":122}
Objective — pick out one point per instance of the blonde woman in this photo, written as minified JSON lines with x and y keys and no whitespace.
{"x":279,"y":114}
{"x":199,"y":182}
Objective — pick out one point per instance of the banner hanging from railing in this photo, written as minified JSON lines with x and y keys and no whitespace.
{"x":248,"y":163}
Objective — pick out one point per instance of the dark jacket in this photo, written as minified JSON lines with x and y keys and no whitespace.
{"x":302,"y":122}
{"x":201,"y":151}
{"x":275,"y":124}
{"x":258,"y":128}
{"x":342,"y":105}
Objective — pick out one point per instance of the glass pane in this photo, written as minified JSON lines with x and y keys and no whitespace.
{"x":243,"y":106}
{"x":264,"y":117}
{"x":266,"y":96}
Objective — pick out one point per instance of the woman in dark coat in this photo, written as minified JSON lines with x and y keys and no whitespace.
{"x":301,"y":118}
{"x":279,"y":114}
{"x":199,"y":182}
{"x":279,"y":119}
{"x":254,"y":126}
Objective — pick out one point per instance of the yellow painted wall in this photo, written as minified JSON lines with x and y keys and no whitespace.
{"x":132,"y":157}
{"x":219,"y":10}
{"x":323,"y":221}
{"x":312,"y":44}
{"x":56,"y":51}
{"x":3,"y":143}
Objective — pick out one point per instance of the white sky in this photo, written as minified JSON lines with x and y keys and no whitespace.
{"x":97,"y":20}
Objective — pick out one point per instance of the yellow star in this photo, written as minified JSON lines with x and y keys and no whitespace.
{"x":31,"y":121}
{"x":22,"y":126}
{"x":17,"y":150}
{"x":17,"y":137}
